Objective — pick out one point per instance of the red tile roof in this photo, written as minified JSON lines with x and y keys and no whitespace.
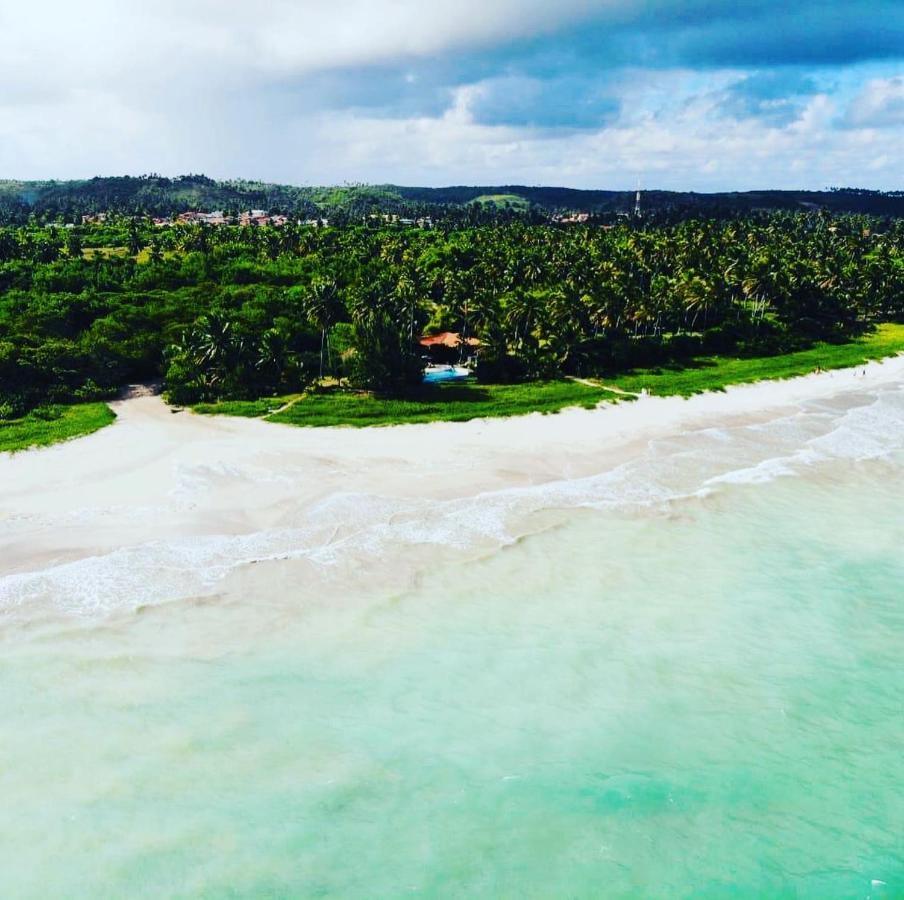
{"x":449,"y":339}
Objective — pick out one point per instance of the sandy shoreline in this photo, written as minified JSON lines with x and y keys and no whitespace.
{"x":159,"y":476}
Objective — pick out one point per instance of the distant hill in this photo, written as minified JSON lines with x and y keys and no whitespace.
{"x":556,"y":199}
{"x":150,"y":194}
{"x":502,"y":201}
{"x":157,"y":195}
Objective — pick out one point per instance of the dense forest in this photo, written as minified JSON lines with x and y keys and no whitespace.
{"x":245,"y":312}
{"x":66,"y":201}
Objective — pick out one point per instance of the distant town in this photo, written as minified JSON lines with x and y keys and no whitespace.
{"x":215,"y":218}
{"x":260,"y":218}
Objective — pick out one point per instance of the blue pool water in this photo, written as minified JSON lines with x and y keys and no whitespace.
{"x":450,"y":374}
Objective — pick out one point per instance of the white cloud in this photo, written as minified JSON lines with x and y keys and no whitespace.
{"x":221,"y":86}
{"x":95,"y":38}
{"x":686,"y":149}
{"x":879,"y":105}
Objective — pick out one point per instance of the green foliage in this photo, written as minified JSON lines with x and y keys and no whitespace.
{"x":707,"y":373}
{"x":237,"y":312}
{"x":215,"y":360}
{"x":464,"y":401}
{"x":51,"y":424}
{"x":382,"y":358}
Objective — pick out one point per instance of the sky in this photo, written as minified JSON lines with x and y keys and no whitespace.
{"x":701,"y":95}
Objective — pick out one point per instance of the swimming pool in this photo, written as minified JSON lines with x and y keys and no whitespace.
{"x":434,"y":374}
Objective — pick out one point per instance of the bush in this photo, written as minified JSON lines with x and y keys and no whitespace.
{"x":622,"y":353}
{"x":381,"y":359}
{"x":181,"y":383}
{"x":47,"y":413}
{"x":89,"y":391}
{"x":685,"y":346}
{"x":502,"y":369}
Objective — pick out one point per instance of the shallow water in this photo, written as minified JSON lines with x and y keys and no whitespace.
{"x":678,"y":678}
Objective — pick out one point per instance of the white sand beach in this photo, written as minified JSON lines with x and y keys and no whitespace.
{"x":181,"y":493}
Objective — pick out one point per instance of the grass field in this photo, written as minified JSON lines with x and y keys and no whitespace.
{"x":248,"y":409}
{"x":52,"y":424}
{"x":105,"y":252}
{"x":717,"y":372}
{"x":143,"y":257}
{"x":500,"y":201}
{"x":431,"y":403}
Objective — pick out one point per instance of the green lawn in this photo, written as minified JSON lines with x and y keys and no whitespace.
{"x":248,"y":409}
{"x":717,"y":372}
{"x":52,"y":424}
{"x":430,"y":403}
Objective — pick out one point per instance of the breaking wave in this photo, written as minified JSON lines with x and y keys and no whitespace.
{"x":352,"y":528}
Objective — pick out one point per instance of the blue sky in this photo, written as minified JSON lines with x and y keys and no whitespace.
{"x":680,"y":94}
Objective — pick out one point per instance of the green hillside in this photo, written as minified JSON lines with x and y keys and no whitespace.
{"x":161,"y":196}
{"x":502,"y":201}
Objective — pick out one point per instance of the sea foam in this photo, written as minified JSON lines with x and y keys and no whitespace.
{"x":355,"y":528}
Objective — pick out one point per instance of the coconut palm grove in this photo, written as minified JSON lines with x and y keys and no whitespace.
{"x":243,"y":312}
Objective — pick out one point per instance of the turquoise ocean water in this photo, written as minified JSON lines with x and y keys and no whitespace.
{"x":683,"y":679}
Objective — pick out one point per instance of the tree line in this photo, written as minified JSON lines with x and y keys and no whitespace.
{"x":244,"y":312}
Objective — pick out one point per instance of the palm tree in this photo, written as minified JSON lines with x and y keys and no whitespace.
{"x":323,"y":307}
